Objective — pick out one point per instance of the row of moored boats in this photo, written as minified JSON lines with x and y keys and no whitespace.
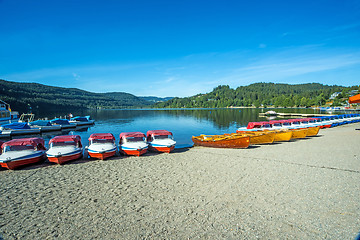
{"x":39,"y":126}
{"x":18,"y":152}
{"x":274,"y":131}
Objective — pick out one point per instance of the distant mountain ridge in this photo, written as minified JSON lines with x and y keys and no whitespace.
{"x":156,"y":99}
{"x":22,"y":96}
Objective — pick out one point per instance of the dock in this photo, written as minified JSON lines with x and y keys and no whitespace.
{"x":290,"y":115}
{"x":8,"y":133}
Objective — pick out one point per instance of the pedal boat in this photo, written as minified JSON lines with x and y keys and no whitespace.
{"x":222,"y":141}
{"x":21,"y":152}
{"x":133,"y":143}
{"x":322,"y":123}
{"x":101,"y":145}
{"x":160,"y":141}
{"x":64,"y":148}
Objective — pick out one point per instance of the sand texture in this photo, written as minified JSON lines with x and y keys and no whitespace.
{"x":304,"y":189}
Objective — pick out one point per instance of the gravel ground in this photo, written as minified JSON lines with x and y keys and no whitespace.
{"x":304,"y":189}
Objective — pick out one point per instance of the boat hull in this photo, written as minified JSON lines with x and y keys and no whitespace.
{"x":67,"y":126}
{"x":60,"y":159}
{"x":49,"y":128}
{"x":326,"y":126}
{"x":102,"y":155}
{"x":21,"y":132}
{"x":133,"y":152}
{"x":64,"y":154}
{"x":165,"y":149}
{"x":283,"y":136}
{"x":222,"y":141}
{"x":261,"y":137}
{"x":136,"y":148}
{"x":101,"y":150}
{"x":298,"y":133}
{"x":23,"y":162}
{"x":78,"y":123}
{"x":312,"y":131}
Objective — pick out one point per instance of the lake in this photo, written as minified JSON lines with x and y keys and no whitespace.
{"x":183,"y":123}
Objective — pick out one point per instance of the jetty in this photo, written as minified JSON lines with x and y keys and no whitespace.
{"x":305,"y":115}
{"x":9,"y":133}
{"x":26,"y":126}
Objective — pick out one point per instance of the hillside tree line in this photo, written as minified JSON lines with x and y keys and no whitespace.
{"x":263,"y":94}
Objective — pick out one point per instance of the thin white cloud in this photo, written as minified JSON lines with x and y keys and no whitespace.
{"x":262,"y":45}
{"x":198,"y":73}
{"x":70,"y":71}
{"x":76,"y":76}
{"x":345,"y":27}
{"x":170,"y":79}
{"x":276,"y":69}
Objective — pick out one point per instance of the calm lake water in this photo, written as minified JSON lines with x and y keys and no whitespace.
{"x":183,"y":123}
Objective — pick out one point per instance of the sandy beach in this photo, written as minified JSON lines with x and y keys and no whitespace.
{"x":305,"y":189}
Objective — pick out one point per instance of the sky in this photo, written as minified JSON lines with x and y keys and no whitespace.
{"x":179,"y":48}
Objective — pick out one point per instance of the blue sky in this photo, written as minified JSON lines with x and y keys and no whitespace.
{"x":178,"y":48}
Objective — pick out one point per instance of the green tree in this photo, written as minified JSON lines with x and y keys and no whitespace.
{"x":304,"y":102}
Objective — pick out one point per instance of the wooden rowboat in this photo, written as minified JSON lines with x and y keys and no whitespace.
{"x":259,"y":137}
{"x":222,"y":141}
{"x":312,"y":131}
{"x":283,"y":135}
{"x":299,"y":133}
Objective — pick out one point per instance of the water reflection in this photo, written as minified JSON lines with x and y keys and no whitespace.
{"x":184,"y":123}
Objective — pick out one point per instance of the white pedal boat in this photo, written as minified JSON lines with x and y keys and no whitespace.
{"x":64,"y":148}
{"x":160,"y":141}
{"x":101,"y":145}
{"x":23,"y":151}
{"x":133,"y":143}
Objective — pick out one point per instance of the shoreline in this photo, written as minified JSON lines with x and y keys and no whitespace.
{"x":300,"y":189}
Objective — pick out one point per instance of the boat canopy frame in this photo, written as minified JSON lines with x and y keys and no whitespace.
{"x":102,"y":136}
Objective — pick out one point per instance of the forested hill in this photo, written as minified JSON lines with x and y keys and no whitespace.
{"x":22,"y":96}
{"x":266,"y":94}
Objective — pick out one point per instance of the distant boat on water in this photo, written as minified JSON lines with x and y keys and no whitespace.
{"x":271,"y":113}
{"x":81,"y":121}
{"x":6,"y":114}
